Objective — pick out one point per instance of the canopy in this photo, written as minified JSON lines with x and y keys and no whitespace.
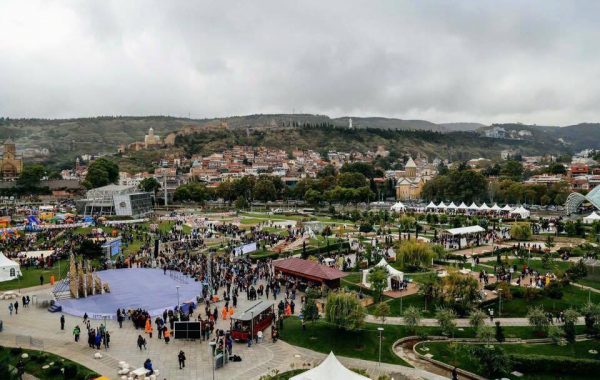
{"x":252,"y":311}
{"x":398,"y":206}
{"x":431,"y":205}
{"x":522,"y":212}
{"x":330,"y":369}
{"x":9,"y":270}
{"x":442,"y":205}
{"x":392,"y":273}
{"x":593,"y":217}
{"x":473,"y":206}
{"x":484,"y":207}
{"x":465,"y":230}
{"x":452,"y":206}
{"x":507,"y":208}
{"x":462,"y":206}
{"x":495,"y":207}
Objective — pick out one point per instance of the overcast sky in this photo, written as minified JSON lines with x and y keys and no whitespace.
{"x":443,"y":61}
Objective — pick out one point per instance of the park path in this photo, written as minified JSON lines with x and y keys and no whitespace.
{"x":460,"y":322}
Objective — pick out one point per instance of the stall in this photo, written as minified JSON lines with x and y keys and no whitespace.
{"x":249,"y":322}
{"x":9,"y":270}
{"x":394,"y":276}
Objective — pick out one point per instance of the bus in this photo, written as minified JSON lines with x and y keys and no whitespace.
{"x":246,"y":324}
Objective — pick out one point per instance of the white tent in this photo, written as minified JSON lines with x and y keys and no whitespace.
{"x":442,"y":206}
{"x":398,"y":206}
{"x":431,"y":205}
{"x":464,"y":230}
{"x":392,"y":273}
{"x":9,"y":270}
{"x":330,"y":369}
{"x":496,"y":208}
{"x":522,"y":212}
{"x":507,"y":208}
{"x":593,"y":217}
{"x":463,"y":206}
{"x":473,"y":207}
{"x":484,"y":207}
{"x":452,"y":206}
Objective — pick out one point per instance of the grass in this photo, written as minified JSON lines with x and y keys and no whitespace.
{"x":38,"y":359}
{"x":31,"y":276}
{"x":592,"y":283}
{"x":457,"y":354}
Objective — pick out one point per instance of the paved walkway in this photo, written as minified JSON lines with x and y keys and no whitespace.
{"x":460,"y":322}
{"x":36,"y":328}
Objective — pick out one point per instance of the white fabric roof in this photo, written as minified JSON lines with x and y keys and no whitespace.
{"x":452,"y":205}
{"x":521,"y":211}
{"x":484,"y":207}
{"x":391,"y":270}
{"x":495,"y":207}
{"x":465,"y":230}
{"x":506,"y":208}
{"x":473,"y":206}
{"x":398,"y":206}
{"x":431,"y":205}
{"x":6,"y":265}
{"x":462,"y":206}
{"x":592,"y":216}
{"x":442,"y":205}
{"x":330,"y":369}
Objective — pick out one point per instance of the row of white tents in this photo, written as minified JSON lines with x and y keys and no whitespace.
{"x":520,"y":211}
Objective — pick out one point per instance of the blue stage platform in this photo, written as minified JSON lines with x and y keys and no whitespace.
{"x":133,"y":288}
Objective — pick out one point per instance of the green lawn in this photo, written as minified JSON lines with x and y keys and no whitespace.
{"x":592,"y":283}
{"x":37,"y":360}
{"x":458,"y":354}
{"x":31,"y":277}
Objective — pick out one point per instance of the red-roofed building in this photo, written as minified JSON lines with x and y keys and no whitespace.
{"x":577,"y":169}
{"x":308,"y":271}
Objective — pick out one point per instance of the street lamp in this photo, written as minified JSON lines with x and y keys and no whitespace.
{"x":213,"y":346}
{"x":252,"y":325}
{"x":380,"y":329}
{"x":177,"y":297}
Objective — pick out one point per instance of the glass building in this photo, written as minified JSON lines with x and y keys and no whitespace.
{"x":574,"y":200}
{"x":116,"y":200}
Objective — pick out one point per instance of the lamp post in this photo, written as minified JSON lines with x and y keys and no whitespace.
{"x":380,"y":329}
{"x":213,"y":346}
{"x":252,"y":326}
{"x":177,"y":297}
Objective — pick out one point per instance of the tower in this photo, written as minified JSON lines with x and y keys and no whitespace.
{"x":11,"y":165}
{"x":349,"y":123}
{"x":411,"y":168}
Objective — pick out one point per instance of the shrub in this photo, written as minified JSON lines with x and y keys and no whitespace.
{"x":491,"y":360}
{"x":70,"y":371}
{"x":554,"y":290}
{"x":446,"y":320}
{"x":412,"y":318}
{"x":554,"y":364}
{"x":531,"y":294}
{"x":499,"y":332}
{"x":538,"y":319}
{"x":476,"y":319}
{"x":16,"y":351}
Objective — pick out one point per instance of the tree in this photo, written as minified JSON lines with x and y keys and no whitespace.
{"x":571,"y":316}
{"x":414,"y":254}
{"x":149,"y":185}
{"x":512,"y":169}
{"x":327,"y":171}
{"x":591,"y":314}
{"x":364,"y":168}
{"x":352,"y":180}
{"x":378,"y":279}
{"x":313,"y":197}
{"x":446,"y":319}
{"x":382,"y":310}
{"x":476,"y":319}
{"x":264,"y":189}
{"x":101,"y":173}
{"x":412,"y":318}
{"x":499,"y":333}
{"x":344,"y":310}
{"x":241,"y":203}
{"x":485,"y":334}
{"x":557,"y":168}
{"x":520,"y":231}
{"x":538,"y":319}
{"x":491,"y":360}
{"x":310,"y":311}
{"x":30,"y":178}
{"x":192,"y":191}
{"x":89,"y":248}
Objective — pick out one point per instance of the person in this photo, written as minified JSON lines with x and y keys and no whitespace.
{"x":16,"y":307}
{"x":106,"y":340}
{"x":148,"y":367}
{"x":454,"y":374}
{"x":20,"y":369}
{"x":167,"y":335}
{"x":62,"y":322}
{"x":181,"y":358}
{"x":76,"y":332}
{"x":41,"y":279}
{"x":148,"y":327}
{"x":10,"y":308}
{"x":491,"y":314}
{"x":85,"y":317}
{"x":141,"y":342}
{"x":259,"y":336}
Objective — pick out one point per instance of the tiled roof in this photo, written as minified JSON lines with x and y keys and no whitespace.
{"x":308,"y":268}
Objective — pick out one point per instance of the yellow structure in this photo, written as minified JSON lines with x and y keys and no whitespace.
{"x":11,"y":165}
{"x":151,"y":139}
{"x":409,"y":184}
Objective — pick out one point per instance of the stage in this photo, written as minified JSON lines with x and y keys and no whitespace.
{"x":133,"y":288}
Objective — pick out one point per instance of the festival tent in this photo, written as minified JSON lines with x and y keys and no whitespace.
{"x":392,"y":273}
{"x":484,"y":207}
{"x":593,"y":217}
{"x":442,"y":206}
{"x":431,"y":205}
{"x":330,"y":369}
{"x":452,"y":206}
{"x":473,"y":207}
{"x":522,"y":212}
{"x":398,"y":206}
{"x":463,"y":206}
{"x":507,"y":208}
{"x":496,"y":208}
{"x":9,"y":270}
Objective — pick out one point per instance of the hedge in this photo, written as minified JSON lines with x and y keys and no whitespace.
{"x":554,"y":364}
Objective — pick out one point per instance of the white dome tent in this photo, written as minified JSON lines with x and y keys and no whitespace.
{"x":462,"y":207}
{"x":330,"y":369}
{"x":398,"y":206}
{"x":452,"y":206}
{"x":431,"y":205}
{"x":392,"y":273}
{"x":496,"y":208}
{"x":522,"y":212}
{"x":473,"y":207}
{"x":507,"y":208}
{"x":442,"y":206}
{"x":484,"y":207}
{"x":9,"y":269}
{"x":593,"y":217}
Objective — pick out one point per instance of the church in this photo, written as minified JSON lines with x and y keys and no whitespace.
{"x":409,"y":184}
{"x":11,"y":165}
